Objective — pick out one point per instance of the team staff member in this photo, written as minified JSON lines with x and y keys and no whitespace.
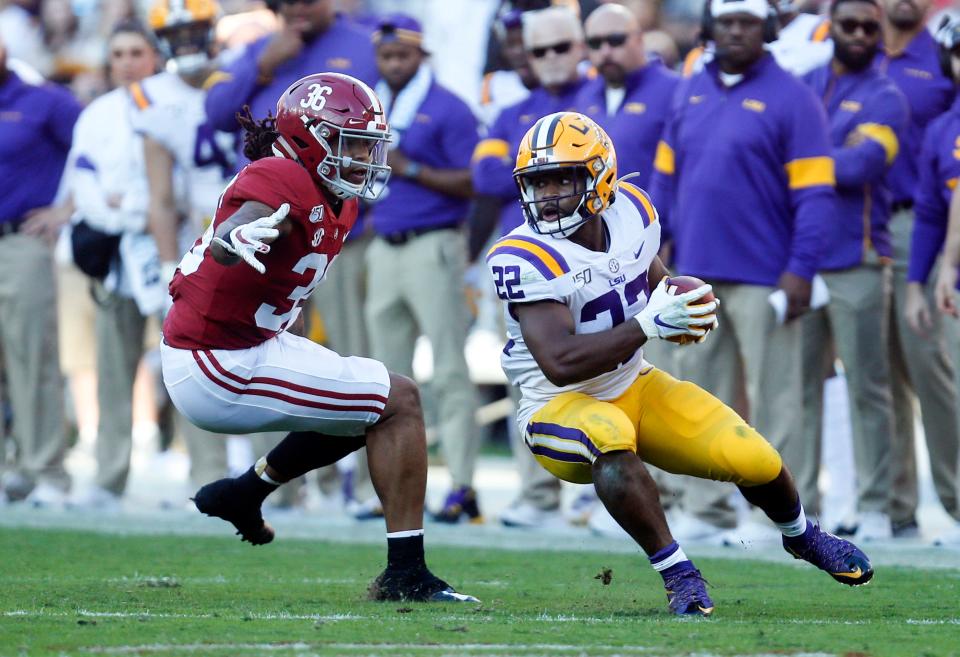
{"x":630,"y":98}
{"x":415,"y":264}
{"x":866,"y":112}
{"x":922,"y":367}
{"x":553,"y":39}
{"x":36,"y":129}
{"x":313,"y":38}
{"x":745,"y":162}
{"x":108,"y":185}
{"x":938,"y":171}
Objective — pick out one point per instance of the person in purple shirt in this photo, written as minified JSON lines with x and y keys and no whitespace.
{"x":939,"y":170}
{"x":415,"y":264}
{"x":630,"y":98}
{"x":553,"y":38}
{"x":36,"y":130}
{"x":867,"y":113}
{"x":744,"y":182}
{"x":920,"y":366}
{"x":313,"y":38}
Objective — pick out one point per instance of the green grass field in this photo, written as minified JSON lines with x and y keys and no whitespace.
{"x":70,"y":593}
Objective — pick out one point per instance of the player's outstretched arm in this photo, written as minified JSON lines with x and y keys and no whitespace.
{"x":566,"y":357}
{"x":248,"y":231}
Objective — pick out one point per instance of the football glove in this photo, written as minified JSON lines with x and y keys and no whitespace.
{"x":246,"y":241}
{"x":667,"y":315}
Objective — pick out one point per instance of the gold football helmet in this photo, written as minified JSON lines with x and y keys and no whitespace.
{"x":566,"y":141}
{"x":184,"y":29}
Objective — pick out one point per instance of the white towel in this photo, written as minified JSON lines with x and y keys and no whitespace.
{"x":402,"y":110}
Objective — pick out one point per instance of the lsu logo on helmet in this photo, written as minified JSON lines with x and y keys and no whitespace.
{"x":566,"y":141}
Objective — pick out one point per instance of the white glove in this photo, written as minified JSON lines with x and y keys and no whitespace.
{"x":667,"y":315}
{"x":247,"y":240}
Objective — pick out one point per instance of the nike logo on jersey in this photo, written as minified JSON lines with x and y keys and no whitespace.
{"x":638,"y":251}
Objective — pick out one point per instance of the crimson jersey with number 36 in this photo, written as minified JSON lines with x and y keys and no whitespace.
{"x":234,"y":307}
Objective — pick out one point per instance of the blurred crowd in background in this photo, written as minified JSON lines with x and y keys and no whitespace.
{"x":463,"y":80}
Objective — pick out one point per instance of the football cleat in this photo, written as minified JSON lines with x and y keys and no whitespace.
{"x":461,"y":502}
{"x":687,"y":593}
{"x":841,"y":559}
{"x":415,"y":585}
{"x":223,"y":499}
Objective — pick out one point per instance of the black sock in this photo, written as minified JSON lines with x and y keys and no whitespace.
{"x":405,"y":553}
{"x":302,"y":451}
{"x":255,"y":488}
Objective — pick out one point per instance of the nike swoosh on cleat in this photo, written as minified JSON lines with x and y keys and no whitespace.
{"x":450,"y":595}
{"x":706,"y":611}
{"x":856,"y":574}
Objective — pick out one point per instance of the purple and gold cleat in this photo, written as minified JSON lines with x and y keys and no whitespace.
{"x":839,"y":558}
{"x":687,"y":593}
{"x":460,"y":503}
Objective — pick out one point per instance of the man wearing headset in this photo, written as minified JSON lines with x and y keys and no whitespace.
{"x":745,"y":163}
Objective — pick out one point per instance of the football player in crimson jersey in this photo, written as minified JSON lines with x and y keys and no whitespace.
{"x":230,"y":363}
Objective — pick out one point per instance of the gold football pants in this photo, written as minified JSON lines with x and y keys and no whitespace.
{"x":674,"y":425}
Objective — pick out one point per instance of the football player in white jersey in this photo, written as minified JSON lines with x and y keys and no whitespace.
{"x":188,"y":163}
{"x":584,"y":290}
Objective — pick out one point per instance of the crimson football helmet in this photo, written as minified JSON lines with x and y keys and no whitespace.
{"x":335,"y":125}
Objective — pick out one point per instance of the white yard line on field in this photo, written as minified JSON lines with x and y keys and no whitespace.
{"x":528,"y":650}
{"x":449,"y":618}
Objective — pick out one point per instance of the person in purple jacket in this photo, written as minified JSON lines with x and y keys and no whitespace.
{"x":939,"y":170}
{"x":919,"y":366}
{"x":313,"y":38}
{"x":744,"y":182}
{"x":36,"y":130}
{"x":867,"y":113}
{"x":630,"y":98}
{"x":553,"y":39}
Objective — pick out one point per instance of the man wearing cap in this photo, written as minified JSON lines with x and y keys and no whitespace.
{"x":744,"y":183}
{"x":36,"y":130}
{"x":866,"y":112}
{"x":508,"y":86}
{"x":921,"y":365}
{"x":416,"y":261}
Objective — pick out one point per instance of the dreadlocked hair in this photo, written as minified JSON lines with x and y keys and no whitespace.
{"x":259,"y":135}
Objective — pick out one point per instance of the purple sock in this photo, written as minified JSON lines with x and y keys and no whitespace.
{"x":802,"y":539}
{"x":670,"y":560}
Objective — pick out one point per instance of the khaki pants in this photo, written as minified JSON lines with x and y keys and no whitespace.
{"x":28,"y":340}
{"x":414,"y":288}
{"x":748,"y":349}
{"x":855,"y":323}
{"x":120,"y":336}
{"x":923,"y":367}
{"x":340,"y":300}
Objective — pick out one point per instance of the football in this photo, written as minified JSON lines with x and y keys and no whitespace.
{"x":679,"y":285}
